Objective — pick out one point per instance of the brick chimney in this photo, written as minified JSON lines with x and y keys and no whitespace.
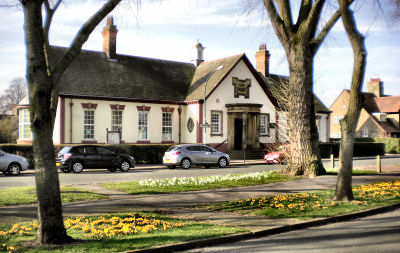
{"x":262,"y":60}
{"x":375,"y":86}
{"x":110,"y":38}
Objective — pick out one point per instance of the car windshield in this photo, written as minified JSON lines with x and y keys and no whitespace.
{"x":65,"y":150}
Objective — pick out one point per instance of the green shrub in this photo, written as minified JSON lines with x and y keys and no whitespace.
{"x":392,"y":145}
{"x":360,"y":149}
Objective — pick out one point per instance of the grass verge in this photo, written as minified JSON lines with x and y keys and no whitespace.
{"x":27,"y":195}
{"x":309,"y":205}
{"x":356,"y":172}
{"x":185,"y":184}
{"x":114,"y":233}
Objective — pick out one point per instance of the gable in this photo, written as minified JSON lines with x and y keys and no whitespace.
{"x":240,"y":86}
{"x":205,"y":80}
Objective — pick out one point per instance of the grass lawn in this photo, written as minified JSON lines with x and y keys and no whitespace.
{"x":114,"y":233}
{"x":185,"y":184}
{"x":27,"y":195}
{"x":314,"y":204}
{"x":358,"y":172}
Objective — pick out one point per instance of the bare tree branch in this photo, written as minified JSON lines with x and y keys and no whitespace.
{"x":309,"y":26}
{"x":286,"y":14}
{"x":277,"y":22}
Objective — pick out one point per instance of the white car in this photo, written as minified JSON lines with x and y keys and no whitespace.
{"x":12,"y":164}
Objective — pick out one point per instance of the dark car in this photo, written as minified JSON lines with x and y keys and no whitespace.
{"x":77,"y":158}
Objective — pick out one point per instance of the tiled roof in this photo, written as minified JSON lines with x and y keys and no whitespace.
{"x":388,"y":104}
{"x":94,"y":74}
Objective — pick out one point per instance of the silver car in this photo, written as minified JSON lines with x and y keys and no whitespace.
{"x":194,"y":154}
{"x":12,"y":164}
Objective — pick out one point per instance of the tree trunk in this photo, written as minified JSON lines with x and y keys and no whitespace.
{"x":51,"y":225}
{"x":349,"y":123}
{"x":303,"y":135}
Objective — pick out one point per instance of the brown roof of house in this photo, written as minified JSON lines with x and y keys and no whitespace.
{"x":93,"y":74}
{"x":388,"y":104}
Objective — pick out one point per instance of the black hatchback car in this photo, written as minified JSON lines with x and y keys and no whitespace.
{"x":77,"y":158}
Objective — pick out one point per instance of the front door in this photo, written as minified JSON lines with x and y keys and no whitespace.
{"x":238,"y":133}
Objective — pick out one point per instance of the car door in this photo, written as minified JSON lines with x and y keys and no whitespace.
{"x":194,"y":154}
{"x":108,"y":159}
{"x":208,"y":155}
{"x":91,"y":158}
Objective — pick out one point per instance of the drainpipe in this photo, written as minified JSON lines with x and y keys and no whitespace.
{"x":70,"y":120}
{"x":180,"y":120}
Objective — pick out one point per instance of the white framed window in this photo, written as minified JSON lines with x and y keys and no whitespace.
{"x":142,"y":125}
{"x":365,"y":132}
{"x":264,"y":124}
{"x":24,"y":124}
{"x":167,"y":126}
{"x":88,"y":124}
{"x":336,"y":118}
{"x":216,"y":123}
{"x":116,"y":120}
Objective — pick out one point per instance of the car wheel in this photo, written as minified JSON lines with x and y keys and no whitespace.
{"x":171,"y":167}
{"x":125,"y":166}
{"x":111,"y":169}
{"x":66,"y":170}
{"x":77,"y":167}
{"x":185,"y":164}
{"x":14,"y":169}
{"x":222,"y":162}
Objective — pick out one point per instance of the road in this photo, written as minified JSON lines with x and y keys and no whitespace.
{"x":159,"y":172}
{"x":378,"y":233}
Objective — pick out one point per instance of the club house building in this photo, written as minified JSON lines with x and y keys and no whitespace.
{"x":224,"y":102}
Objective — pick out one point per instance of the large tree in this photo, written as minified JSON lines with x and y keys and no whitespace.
{"x":15,"y":92}
{"x":301,"y":41}
{"x":349,"y":123}
{"x":43,"y":80}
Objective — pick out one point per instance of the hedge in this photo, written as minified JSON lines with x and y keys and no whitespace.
{"x":360,"y":149}
{"x":143,"y":153}
{"x":392,"y":145}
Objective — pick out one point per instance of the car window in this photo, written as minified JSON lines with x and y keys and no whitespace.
{"x":77,"y":150}
{"x":104,"y":151}
{"x":173,"y":148}
{"x":195,"y":148}
{"x":205,"y":149}
{"x":190,"y":148}
{"x":90,"y":150}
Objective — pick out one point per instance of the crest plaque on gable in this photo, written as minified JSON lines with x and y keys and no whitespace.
{"x":241,"y":87}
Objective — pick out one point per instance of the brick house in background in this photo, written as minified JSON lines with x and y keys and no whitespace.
{"x":379,"y":115}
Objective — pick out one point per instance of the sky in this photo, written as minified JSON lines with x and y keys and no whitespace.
{"x":169,"y":29}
